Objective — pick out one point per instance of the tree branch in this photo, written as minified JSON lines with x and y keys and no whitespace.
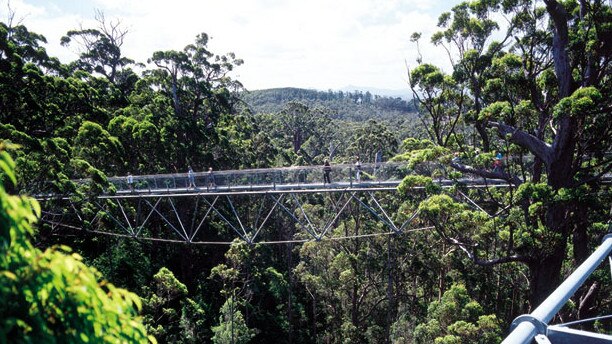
{"x":536,"y":146}
{"x":584,"y":300}
{"x":474,"y":257}
{"x":487,"y":174}
{"x":596,"y":177}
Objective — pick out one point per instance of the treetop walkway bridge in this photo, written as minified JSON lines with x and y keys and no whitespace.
{"x":185,"y":202}
{"x":246,"y":201}
{"x":372,"y":177}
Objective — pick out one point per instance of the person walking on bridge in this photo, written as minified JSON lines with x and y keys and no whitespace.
{"x":326,"y":171}
{"x":130,"y":181}
{"x":191,"y":177}
{"x":210,"y":178}
{"x":358,"y":170}
{"x":498,"y":165}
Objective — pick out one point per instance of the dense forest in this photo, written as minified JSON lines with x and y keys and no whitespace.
{"x":538,"y":94}
{"x":353,"y":106}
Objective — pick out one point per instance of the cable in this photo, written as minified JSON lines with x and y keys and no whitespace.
{"x":298,"y":241}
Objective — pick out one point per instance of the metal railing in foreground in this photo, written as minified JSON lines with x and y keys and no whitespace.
{"x":535,"y":325}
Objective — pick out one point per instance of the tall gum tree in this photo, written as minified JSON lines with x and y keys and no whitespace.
{"x":543,"y":92}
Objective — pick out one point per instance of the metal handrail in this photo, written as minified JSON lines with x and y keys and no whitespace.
{"x":526,"y":327}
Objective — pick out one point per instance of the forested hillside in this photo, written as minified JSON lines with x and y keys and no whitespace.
{"x":352,"y":106}
{"x":528,"y":106}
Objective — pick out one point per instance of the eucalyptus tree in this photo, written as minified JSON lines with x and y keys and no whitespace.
{"x":24,"y":85}
{"x":100,"y":48}
{"x":198,"y":85}
{"x":457,"y":318}
{"x":198,"y":80}
{"x":305,"y":131}
{"x":545,"y":94}
{"x":42,"y":108}
{"x":443,"y":102}
{"x":370,"y":139}
{"x":169,"y":314}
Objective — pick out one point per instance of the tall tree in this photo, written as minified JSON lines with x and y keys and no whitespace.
{"x":199,"y":86}
{"x":100,"y":48}
{"x":552,"y":111}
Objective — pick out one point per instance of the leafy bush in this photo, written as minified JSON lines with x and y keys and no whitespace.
{"x":51,"y":296}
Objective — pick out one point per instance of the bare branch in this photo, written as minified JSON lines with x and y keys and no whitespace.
{"x":596,"y":177}
{"x":474,"y":256}
{"x":487,"y":173}
{"x":586,"y":298}
{"x":536,"y":146}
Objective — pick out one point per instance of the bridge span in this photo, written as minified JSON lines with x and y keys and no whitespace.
{"x":191,"y":209}
{"x":245,"y":202}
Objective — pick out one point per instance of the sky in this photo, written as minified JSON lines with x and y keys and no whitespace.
{"x":317,"y":44}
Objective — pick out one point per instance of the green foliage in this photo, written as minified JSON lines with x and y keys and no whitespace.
{"x":411,"y":144}
{"x":440,"y":205}
{"x":419,"y":156}
{"x":232,"y":328}
{"x":169,"y":314}
{"x":367,"y":140}
{"x":95,"y":145}
{"x":496,"y":110}
{"x":52,"y":296}
{"x":97,"y":117}
{"x":456,"y":318}
{"x":583,"y":101}
{"x":410,"y":182}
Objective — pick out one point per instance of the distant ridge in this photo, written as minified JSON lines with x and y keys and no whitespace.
{"x":353,"y":105}
{"x":405,"y":94}
{"x":401,"y":93}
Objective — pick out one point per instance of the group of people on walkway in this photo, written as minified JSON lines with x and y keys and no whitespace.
{"x":210,"y":177}
{"x":497,"y":166}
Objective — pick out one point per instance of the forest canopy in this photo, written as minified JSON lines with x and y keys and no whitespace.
{"x":526,"y":104}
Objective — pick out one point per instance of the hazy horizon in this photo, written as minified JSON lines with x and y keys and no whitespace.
{"x":318,"y":44}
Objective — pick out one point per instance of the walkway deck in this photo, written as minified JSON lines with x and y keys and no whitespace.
{"x":299,"y":179}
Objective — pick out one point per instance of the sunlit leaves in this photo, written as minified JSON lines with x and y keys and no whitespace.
{"x":95,"y":145}
{"x":456,"y":318}
{"x":583,"y":102}
{"x":417,"y":181}
{"x":51,"y":295}
{"x":232,"y":327}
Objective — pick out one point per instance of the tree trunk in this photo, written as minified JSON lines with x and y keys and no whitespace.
{"x":482,"y":131}
{"x":175,"y":98}
{"x":580,"y":237}
{"x":545,"y":273}
{"x":546,"y":269}
{"x":560,"y":221}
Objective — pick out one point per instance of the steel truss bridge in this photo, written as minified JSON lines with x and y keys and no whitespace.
{"x":186,"y":204}
{"x":290,"y":192}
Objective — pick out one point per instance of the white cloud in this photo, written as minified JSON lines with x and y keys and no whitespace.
{"x":318,"y":43}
